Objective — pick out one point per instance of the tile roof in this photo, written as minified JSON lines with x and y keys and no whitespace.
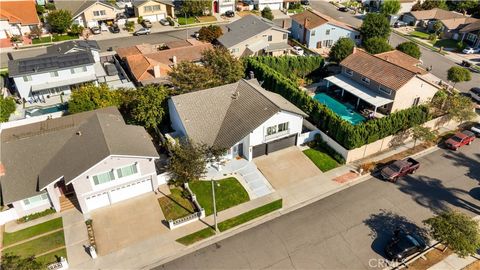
{"x":451,"y":20}
{"x":315,"y":19}
{"x":403,"y":60}
{"x":471,"y":27}
{"x":37,"y":154}
{"x":23,"y":12}
{"x":224,"y":115}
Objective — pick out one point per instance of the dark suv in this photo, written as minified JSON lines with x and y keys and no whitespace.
{"x":403,"y":245}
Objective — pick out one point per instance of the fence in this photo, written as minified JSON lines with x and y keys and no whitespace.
{"x":8,"y":215}
{"x":199,"y":213}
{"x":30,"y":120}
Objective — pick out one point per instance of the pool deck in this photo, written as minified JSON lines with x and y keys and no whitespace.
{"x":20,"y":112}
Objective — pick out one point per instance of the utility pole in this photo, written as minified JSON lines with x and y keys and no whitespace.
{"x":214,"y":207}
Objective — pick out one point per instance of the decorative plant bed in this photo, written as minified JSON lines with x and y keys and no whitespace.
{"x":91,"y":235}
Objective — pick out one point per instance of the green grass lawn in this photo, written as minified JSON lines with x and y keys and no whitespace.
{"x":252,"y":214}
{"x":175,"y":206}
{"x":322,"y":160}
{"x":41,"y":40}
{"x":297,"y":10}
{"x":52,"y":257}
{"x":419,"y":34}
{"x":196,"y":236}
{"x":64,"y":37}
{"x":228,"y":193}
{"x":446,"y":43}
{"x":188,"y":20}
{"x":39,"y":245}
{"x":11,"y":238}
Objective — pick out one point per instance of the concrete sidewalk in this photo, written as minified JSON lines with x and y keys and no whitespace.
{"x":454,"y":262}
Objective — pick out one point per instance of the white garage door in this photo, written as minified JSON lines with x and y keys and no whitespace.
{"x":155,"y":18}
{"x":131,"y":190}
{"x":272,"y":6}
{"x":97,"y":201}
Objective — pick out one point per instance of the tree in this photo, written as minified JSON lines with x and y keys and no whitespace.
{"x":437,"y":27}
{"x":458,"y":74}
{"x":375,"y":25}
{"x":341,"y":49}
{"x":36,"y":31}
{"x":267,"y":13}
{"x":187,"y":163}
{"x":7,"y":107}
{"x":146,"y":105}
{"x":188,"y":76}
{"x":195,"y":8}
{"x":91,"y":97}
{"x":424,"y":134}
{"x":376,"y":45}
{"x":460,"y":108}
{"x":209,"y":33}
{"x":410,"y":48}
{"x":430,"y":4}
{"x":455,"y":230}
{"x":225,"y":67}
{"x":390,"y":7}
{"x":40,"y":9}
{"x":59,"y":20}
{"x":76,"y":29}
{"x":15,"y":262}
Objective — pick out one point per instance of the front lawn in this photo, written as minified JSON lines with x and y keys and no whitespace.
{"x":205,"y":19}
{"x":446,"y":43}
{"x":39,"y":245}
{"x":322,"y":160}
{"x":52,"y":256}
{"x":228,"y":193}
{"x":185,"y":21}
{"x":296,"y":10}
{"x":41,"y":40}
{"x":175,"y":206}
{"x":14,"y":237}
{"x":196,"y":236}
{"x":64,"y":37}
{"x":252,"y":214}
{"x":419,"y":34}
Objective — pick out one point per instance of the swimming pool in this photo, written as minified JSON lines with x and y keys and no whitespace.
{"x":37,"y":111}
{"x":337,"y":107}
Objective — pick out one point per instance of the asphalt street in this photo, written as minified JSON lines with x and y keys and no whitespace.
{"x":349,"y":229}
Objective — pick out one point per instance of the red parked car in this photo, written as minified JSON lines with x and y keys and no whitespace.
{"x":460,"y":139}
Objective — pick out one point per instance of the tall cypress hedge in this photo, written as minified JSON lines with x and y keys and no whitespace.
{"x":348,"y":135}
{"x":293,"y":66}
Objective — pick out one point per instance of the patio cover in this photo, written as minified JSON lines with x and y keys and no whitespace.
{"x":257,"y":46}
{"x":358,"y":90}
{"x":277,"y":47}
{"x":71,"y":81}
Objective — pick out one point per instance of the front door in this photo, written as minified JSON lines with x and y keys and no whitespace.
{"x":215,"y":6}
{"x":65,"y":189}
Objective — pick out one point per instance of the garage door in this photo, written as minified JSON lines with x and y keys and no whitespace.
{"x":131,"y":190}
{"x":281,"y":144}
{"x":272,"y":6}
{"x":154,"y":18}
{"x":259,"y":150}
{"x":97,"y":201}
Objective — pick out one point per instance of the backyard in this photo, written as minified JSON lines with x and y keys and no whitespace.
{"x":321,"y":159}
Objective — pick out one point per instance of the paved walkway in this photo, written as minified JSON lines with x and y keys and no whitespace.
{"x":13,"y":226}
{"x":453,"y":262}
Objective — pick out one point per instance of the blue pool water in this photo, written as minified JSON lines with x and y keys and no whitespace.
{"x":339,"y":108}
{"x":37,"y":111}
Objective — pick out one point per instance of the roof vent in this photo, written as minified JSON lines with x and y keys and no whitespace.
{"x":79,"y":133}
{"x":235,"y":95}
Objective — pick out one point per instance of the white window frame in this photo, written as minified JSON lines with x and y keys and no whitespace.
{"x":135,"y":165}
{"x":366,"y":80}
{"x":54,"y":74}
{"x":98,"y":13}
{"x":312,"y":33}
{"x":43,"y":198}
{"x":385,"y":90}
{"x":327,"y":32}
{"x":112,"y":171}
{"x":269,"y":38}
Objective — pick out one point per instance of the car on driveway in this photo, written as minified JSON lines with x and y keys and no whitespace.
{"x":399,"y":168}
{"x":403,"y":245}
{"x":471,"y":50}
{"x":343,"y":9}
{"x":114,"y":29}
{"x":398,"y":24}
{"x":305,"y":2}
{"x":475,"y":93}
{"x":297,"y":50}
{"x":95,"y":30}
{"x":164,"y":22}
{"x":142,"y":31}
{"x":147,"y":23}
{"x":230,"y":14}
{"x":476,"y":129}
{"x":460,"y":139}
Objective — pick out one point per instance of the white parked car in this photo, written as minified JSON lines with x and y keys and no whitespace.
{"x":476,"y":129}
{"x":471,"y":50}
{"x":475,"y":92}
{"x":297,"y":50}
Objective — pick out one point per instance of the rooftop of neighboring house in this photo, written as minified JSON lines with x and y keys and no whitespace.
{"x":450,"y":19}
{"x":143,"y":58}
{"x":403,"y":60}
{"x":316,"y":19}
{"x":74,"y":45}
{"x":77,"y":7}
{"x":222,"y":116}
{"x":22,"y":12}
{"x":475,"y":26}
{"x":138,"y":3}
{"x":37,"y":154}
{"x":246,"y":28}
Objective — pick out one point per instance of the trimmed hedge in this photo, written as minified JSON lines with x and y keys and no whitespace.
{"x":348,"y":135}
{"x":293,"y":66}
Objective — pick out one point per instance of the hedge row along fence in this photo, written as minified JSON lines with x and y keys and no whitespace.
{"x":293,"y":66}
{"x":348,"y":135}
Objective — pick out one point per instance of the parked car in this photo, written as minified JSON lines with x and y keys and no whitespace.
{"x":460,"y":139}
{"x":230,"y":14}
{"x":196,"y":34}
{"x":399,"y":168}
{"x":399,"y":23}
{"x":403,"y":245}
{"x":343,"y":9}
{"x":95,"y":30}
{"x":142,"y":31}
{"x":475,"y":93}
{"x":147,"y":23}
{"x":114,"y":28}
{"x":164,"y":22}
{"x":471,"y":50}
{"x":476,"y":129}
{"x":297,"y":50}
{"x":305,"y":2}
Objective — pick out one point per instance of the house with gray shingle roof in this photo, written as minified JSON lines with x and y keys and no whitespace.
{"x":89,"y":13}
{"x":241,"y":117}
{"x":87,"y":160}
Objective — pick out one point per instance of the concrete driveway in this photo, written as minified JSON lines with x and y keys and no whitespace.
{"x":286,"y":167}
{"x":125,"y":223}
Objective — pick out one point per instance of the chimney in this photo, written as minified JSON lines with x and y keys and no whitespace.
{"x":305,"y":23}
{"x":251,"y":75}
{"x":156,"y":71}
{"x":174,"y":60}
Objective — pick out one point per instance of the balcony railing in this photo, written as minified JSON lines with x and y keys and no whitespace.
{"x":277,"y":135}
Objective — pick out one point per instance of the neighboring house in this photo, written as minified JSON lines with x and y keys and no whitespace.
{"x":272,"y":4}
{"x":405,"y":5}
{"x":89,"y":13}
{"x":241,"y":117}
{"x":17,"y":18}
{"x":64,"y":67}
{"x":452,"y":22}
{"x":471,"y":34}
{"x":87,"y":157}
{"x":389,"y":81}
{"x":222,"y":6}
{"x":151,"y":63}
{"x":317,"y":30}
{"x":253,"y":35}
{"x":153,"y":10}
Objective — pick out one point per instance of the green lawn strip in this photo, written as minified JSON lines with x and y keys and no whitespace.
{"x":188,"y":20}
{"x":196,"y":236}
{"x":52,"y":256}
{"x":426,"y":45}
{"x":419,"y":34}
{"x":175,"y":206}
{"x":39,"y":245}
{"x":228,"y":193}
{"x":446,"y":43}
{"x":64,"y":37}
{"x":11,"y":238}
{"x":41,"y":40}
{"x":252,"y":214}
{"x":322,"y":160}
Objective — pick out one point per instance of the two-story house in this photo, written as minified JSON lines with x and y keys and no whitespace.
{"x":389,"y":81}
{"x":222,"y":6}
{"x":153,"y":10}
{"x":243,"y":118}
{"x":89,"y":13}
{"x":17,"y":18}
{"x":253,"y":35}
{"x":317,"y":30}
{"x":86,"y":160}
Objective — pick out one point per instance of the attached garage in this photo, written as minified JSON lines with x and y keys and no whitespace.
{"x":259,"y":150}
{"x":97,"y":201}
{"x":155,"y":18}
{"x":272,"y":6}
{"x":270,"y":147}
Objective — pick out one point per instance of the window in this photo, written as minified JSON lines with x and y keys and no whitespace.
{"x":271,"y":130}
{"x":103,"y":178}
{"x":235,"y":50}
{"x":78,"y":70}
{"x":313,"y":33}
{"x":127,"y":171}
{"x":327,"y":43}
{"x":385,"y":90}
{"x":327,"y":32}
{"x":277,"y":128}
{"x":99,"y":13}
{"x":270,"y":38}
{"x":156,"y":8}
{"x":27,"y":78}
{"x":54,"y":74}
{"x":285,"y":36}
{"x":36,"y":199}
{"x":349,"y":72}
{"x":416,"y":101}
{"x":366,"y":80}
{"x":283,"y":127}
{"x":357,"y":36}
{"x":471,"y":37}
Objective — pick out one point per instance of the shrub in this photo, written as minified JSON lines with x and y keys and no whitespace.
{"x":36,"y":215}
{"x":295,"y":5}
{"x":376,"y":45}
{"x":461,"y":45}
{"x":293,"y":67}
{"x":129,"y":25}
{"x":367,"y":167}
{"x":170,"y":21}
{"x":410,"y":48}
{"x":267,"y":13}
{"x":139,"y":19}
{"x":432,"y":37}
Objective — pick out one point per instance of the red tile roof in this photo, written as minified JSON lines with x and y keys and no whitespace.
{"x":22,"y":12}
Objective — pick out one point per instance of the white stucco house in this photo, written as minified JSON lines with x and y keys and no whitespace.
{"x":241,"y":117}
{"x":85,"y":160}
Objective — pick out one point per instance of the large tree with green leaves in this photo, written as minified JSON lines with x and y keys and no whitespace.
{"x":225,"y":67}
{"x":460,"y":108}
{"x":7,"y":107}
{"x":341,"y":49}
{"x":376,"y":45}
{"x":267,"y":13}
{"x":15,"y":262}
{"x":188,"y":76}
{"x":375,"y":25}
{"x":91,"y":97}
{"x":410,"y":48}
{"x":390,"y":7}
{"x":422,"y":133}
{"x":59,"y":20}
{"x":146,"y":105}
{"x":457,"y":231}
{"x":195,"y":8}
{"x":188,"y":162}
{"x":458,"y":74}
{"x":209,"y":33}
